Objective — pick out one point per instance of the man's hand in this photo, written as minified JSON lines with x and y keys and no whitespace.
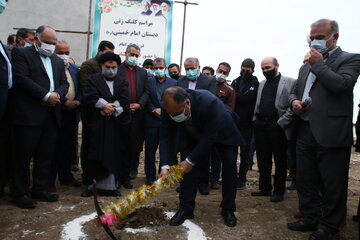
{"x":297,"y":107}
{"x":306,"y":57}
{"x":163,"y":173}
{"x":71,"y":104}
{"x":53,"y":99}
{"x":186,"y":166}
{"x":315,"y":56}
{"x":134,"y":107}
{"x":109,"y":109}
{"x":157,"y":112}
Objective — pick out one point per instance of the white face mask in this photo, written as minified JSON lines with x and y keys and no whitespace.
{"x":65,"y":58}
{"x":46,"y":49}
{"x":181,"y":117}
{"x":220,"y":77}
{"x":27,"y":44}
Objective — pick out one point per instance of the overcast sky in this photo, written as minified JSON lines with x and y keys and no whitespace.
{"x":231,"y":31}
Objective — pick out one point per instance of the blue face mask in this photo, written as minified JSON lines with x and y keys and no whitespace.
{"x":191,"y":74}
{"x":159,"y":73}
{"x":320,"y":45}
{"x":149,"y":72}
{"x":132,"y":61}
{"x":181,"y":117}
{"x":2,"y":5}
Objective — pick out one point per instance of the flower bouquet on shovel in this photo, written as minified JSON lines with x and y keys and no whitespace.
{"x":117,"y":211}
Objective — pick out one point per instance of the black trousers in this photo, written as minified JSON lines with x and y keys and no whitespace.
{"x":5,"y":154}
{"x":291,"y":160}
{"x":188,"y":186}
{"x":322,"y":179}
{"x":247,"y":134}
{"x":270,"y":141}
{"x":204,"y":171}
{"x":136,"y":139}
{"x":37,"y":142}
{"x":152,"y":135}
{"x":66,"y":147}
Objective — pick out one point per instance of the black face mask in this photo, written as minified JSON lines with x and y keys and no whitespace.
{"x":174,"y":76}
{"x":246,"y":75}
{"x":270,"y":74}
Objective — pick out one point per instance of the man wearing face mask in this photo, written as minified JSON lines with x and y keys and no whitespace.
{"x":148,"y":65}
{"x":272,"y":121}
{"x":25,"y":38}
{"x":324,"y":131}
{"x":196,"y":80}
{"x":246,"y":86}
{"x":40,"y":86}
{"x":88,"y":68}
{"x":174,"y":71}
{"x":157,"y":86}
{"x":106,"y":96}
{"x":227,"y":95}
{"x":66,"y":146}
{"x":138,"y":81}
{"x":202,"y":122}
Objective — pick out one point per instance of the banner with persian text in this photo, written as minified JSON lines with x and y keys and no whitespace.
{"x":147,"y":23}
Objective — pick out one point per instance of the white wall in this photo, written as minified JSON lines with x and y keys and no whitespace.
{"x":70,"y":15}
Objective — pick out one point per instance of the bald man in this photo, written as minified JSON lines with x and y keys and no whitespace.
{"x":201,"y":121}
{"x":40,"y":86}
{"x":273,"y":120}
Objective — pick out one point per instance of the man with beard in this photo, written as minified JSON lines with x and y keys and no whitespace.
{"x":272,"y":116}
{"x":227,"y":95}
{"x":106,"y":97}
{"x":246,"y":86}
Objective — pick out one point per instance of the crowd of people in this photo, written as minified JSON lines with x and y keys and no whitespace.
{"x":303,"y":125}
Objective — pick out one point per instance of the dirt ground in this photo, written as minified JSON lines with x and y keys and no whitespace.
{"x":258,"y":218}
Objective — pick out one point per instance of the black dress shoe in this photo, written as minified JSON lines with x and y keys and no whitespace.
{"x":203,"y":189}
{"x":128,"y":185}
{"x":71,"y":183}
{"x":229,"y":218}
{"x":87,"y":193}
{"x":44,"y":196}
{"x":322,"y":233}
{"x":276,"y":198}
{"x":292,"y":186}
{"x":261,"y":193}
{"x":302,"y":225}
{"x":149,"y":182}
{"x":111,"y":193}
{"x":180,"y":217}
{"x":51,"y":189}
{"x":133,"y":174}
{"x":25,"y":202}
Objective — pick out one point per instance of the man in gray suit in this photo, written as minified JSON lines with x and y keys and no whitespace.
{"x":324,"y":131}
{"x":272,"y":121}
{"x":194,"y":79}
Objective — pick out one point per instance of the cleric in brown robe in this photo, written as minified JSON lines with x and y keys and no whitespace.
{"x":106,"y":96}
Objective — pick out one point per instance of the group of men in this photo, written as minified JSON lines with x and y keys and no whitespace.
{"x":199,"y":115}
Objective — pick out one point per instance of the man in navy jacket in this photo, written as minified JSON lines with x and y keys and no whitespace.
{"x":152,"y":122}
{"x":201,"y":121}
{"x":66,"y":146}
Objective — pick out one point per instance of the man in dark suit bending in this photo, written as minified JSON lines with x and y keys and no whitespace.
{"x":201,"y":121}
{"x":39,"y":87}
